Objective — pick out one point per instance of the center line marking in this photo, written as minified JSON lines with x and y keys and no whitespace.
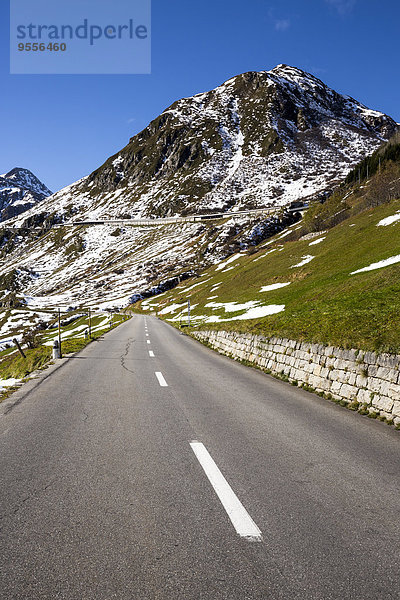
{"x":161,"y":379}
{"x":151,"y":353}
{"x":148,"y":341}
{"x":239,"y":516}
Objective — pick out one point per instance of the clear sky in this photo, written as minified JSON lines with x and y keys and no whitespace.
{"x":62,"y":127}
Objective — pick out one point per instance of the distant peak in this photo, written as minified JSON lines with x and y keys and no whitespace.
{"x":18,"y":171}
{"x":283,"y":66}
{"x":289,"y":72}
{"x":25,"y":179}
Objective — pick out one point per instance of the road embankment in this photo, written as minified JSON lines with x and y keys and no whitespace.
{"x":363,"y":381}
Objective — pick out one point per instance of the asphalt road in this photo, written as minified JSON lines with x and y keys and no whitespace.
{"x":103,"y":496}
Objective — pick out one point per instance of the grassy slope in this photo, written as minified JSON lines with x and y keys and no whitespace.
{"x":323,"y":303}
{"x":15,"y":367}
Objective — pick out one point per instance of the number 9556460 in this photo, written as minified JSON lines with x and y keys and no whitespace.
{"x":35,"y":47}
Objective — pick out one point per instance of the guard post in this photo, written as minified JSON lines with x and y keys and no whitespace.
{"x":56,"y":349}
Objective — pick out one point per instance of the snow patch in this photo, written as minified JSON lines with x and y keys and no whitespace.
{"x":170,"y":309}
{"x":306,"y":259}
{"x":232,"y":306}
{"x":265,"y":254}
{"x":253,"y":313}
{"x":227,"y":262}
{"x":317,"y":241}
{"x":379,"y":265}
{"x":5,"y":383}
{"x":274,"y":286}
{"x":196,"y":285}
{"x":389,"y":220}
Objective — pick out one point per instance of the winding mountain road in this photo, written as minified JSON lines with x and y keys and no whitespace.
{"x":148,"y":467}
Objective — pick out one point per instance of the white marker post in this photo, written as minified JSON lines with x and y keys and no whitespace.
{"x":59,"y":333}
{"x":89,"y":323}
{"x":189,"y":313}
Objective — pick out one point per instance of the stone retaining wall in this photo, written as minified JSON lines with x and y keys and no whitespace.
{"x":372,"y":380}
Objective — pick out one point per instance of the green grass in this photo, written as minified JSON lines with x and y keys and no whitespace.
{"x":52,"y":333}
{"x":6,"y":352}
{"x":323,"y":303}
{"x":15,"y":366}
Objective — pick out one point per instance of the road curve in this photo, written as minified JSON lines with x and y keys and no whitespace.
{"x":128,"y":474}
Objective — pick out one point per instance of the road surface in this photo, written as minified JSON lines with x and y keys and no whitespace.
{"x":149,"y":467}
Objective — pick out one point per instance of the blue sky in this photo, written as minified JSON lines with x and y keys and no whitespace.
{"x":62,"y":127}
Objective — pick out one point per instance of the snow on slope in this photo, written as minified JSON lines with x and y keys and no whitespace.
{"x":260,"y":139}
{"x":20,"y":190}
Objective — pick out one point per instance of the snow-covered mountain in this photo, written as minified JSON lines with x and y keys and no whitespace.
{"x":20,"y":190}
{"x":260,"y":139}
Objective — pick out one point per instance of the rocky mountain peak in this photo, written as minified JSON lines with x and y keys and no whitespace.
{"x":25,"y":179}
{"x":261,"y":139}
{"x":20,"y":190}
{"x":264,"y":138}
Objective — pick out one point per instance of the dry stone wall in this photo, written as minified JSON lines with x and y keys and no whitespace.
{"x":369,"y":379}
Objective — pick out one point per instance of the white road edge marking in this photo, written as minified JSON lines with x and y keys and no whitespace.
{"x":151,"y":353}
{"x":161,"y":379}
{"x":239,"y":516}
{"x":148,"y":341}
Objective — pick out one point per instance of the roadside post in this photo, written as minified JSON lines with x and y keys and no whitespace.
{"x":90,"y":323}
{"x":56,"y":349}
{"x":59,"y":333}
{"x":16,"y":342}
{"x":189,"y":312}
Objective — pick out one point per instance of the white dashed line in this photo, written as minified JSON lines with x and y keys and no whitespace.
{"x":239,"y":516}
{"x":161,"y":379}
{"x":151,"y":353}
{"x":148,"y":341}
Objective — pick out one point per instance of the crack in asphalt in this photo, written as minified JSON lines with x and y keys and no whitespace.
{"x":124,"y":356}
{"x":34,"y":494}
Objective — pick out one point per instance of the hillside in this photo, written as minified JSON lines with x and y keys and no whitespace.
{"x":20,"y":190}
{"x":254,"y":134}
{"x":334,"y":278}
{"x":260,"y":139}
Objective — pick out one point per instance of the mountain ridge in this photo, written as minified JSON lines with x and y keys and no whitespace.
{"x":258,"y":139}
{"x":20,"y":190}
{"x":261,"y":139}
{"x":232,"y":141}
